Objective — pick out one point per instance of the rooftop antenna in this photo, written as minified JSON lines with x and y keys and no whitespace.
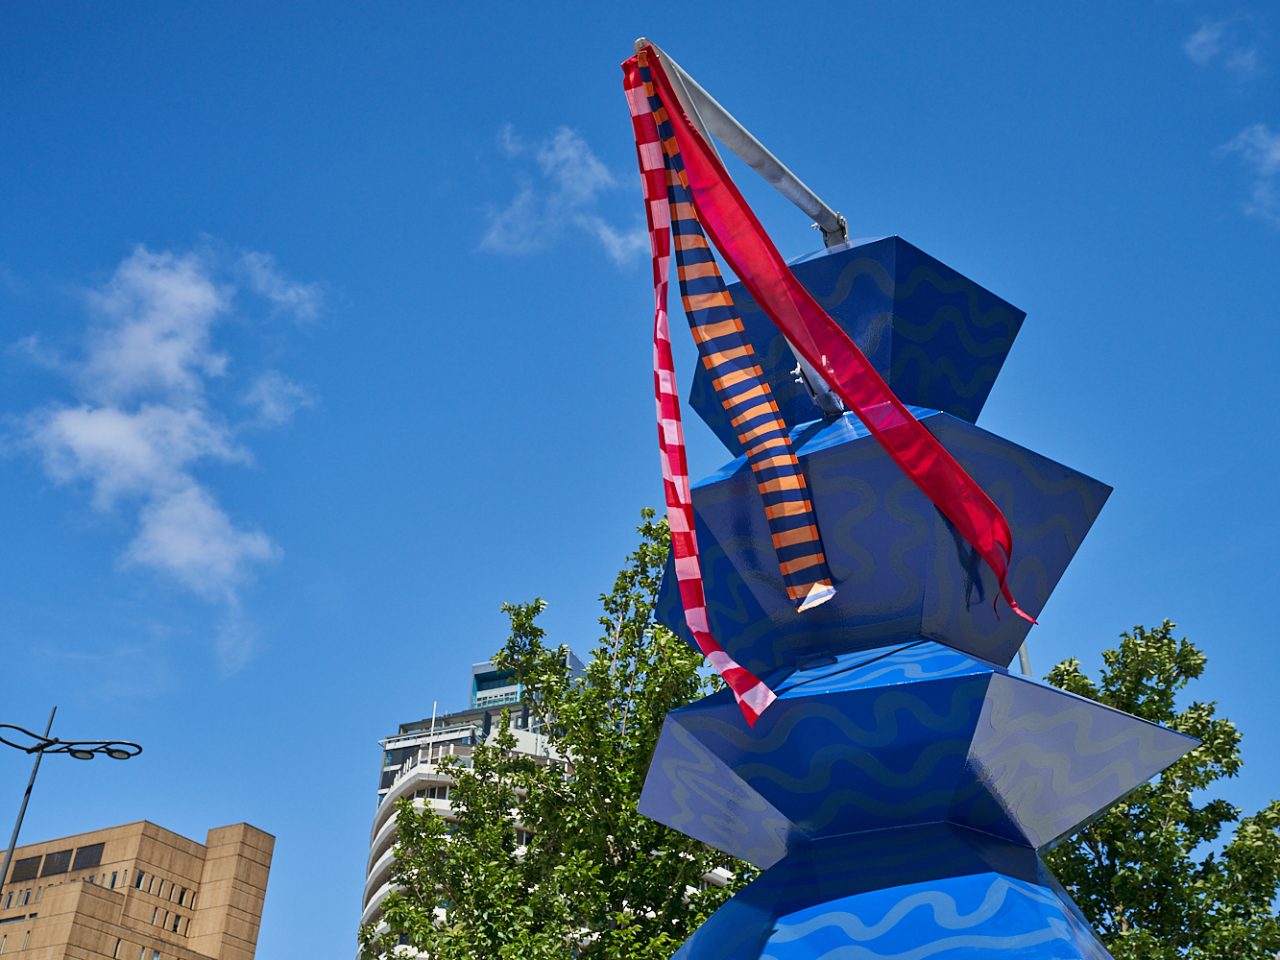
{"x":710,"y":118}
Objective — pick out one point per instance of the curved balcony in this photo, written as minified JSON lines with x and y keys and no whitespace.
{"x":422,"y":774}
{"x":381,"y":853}
{"x":374,"y":906}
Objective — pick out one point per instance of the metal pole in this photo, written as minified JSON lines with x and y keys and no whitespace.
{"x":1024,"y":659}
{"x":22,"y":811}
{"x":709,"y":117}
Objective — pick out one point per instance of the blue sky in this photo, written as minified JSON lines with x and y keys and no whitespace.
{"x":394,"y":259}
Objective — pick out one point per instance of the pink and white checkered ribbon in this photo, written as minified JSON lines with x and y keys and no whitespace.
{"x":752,"y":694}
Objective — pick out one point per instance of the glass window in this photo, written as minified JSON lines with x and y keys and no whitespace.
{"x":176,"y":920}
{"x":114,"y":874}
{"x":182,"y":896}
{"x":137,"y":883}
{"x":55,"y":863}
{"x":25,"y":869}
{"x":115,"y":954}
{"x":90,"y":856}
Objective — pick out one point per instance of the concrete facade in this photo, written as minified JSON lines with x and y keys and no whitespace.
{"x":411,"y":763}
{"x":137,"y":892}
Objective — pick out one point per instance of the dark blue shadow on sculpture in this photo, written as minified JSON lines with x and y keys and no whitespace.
{"x":936,"y":337}
{"x":919,"y":892}
{"x":899,"y":791}
{"x":900,"y":569}
{"x":888,"y":738}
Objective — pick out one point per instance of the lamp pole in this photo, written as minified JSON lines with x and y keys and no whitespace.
{"x":40,"y":745}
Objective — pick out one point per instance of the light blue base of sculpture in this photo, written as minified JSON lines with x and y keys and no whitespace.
{"x":923,"y":893}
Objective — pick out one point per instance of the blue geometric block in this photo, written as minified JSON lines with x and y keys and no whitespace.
{"x":933,"y":891}
{"x":936,"y":337}
{"x":900,"y":569}
{"x":883,"y":739}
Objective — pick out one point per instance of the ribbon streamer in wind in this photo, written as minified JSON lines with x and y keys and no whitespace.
{"x":740,"y":238}
{"x":752,"y":695}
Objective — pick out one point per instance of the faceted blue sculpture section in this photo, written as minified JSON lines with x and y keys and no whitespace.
{"x":936,"y":337}
{"x":905,"y":735}
{"x":900,"y":569}
{"x":919,"y":893}
{"x":898,"y":792}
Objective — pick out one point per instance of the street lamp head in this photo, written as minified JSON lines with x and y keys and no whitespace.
{"x":79,"y":753}
{"x":117,"y":753}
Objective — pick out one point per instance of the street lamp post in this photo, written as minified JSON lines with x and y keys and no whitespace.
{"x":39,"y":745}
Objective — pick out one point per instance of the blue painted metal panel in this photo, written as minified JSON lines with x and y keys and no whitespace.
{"x":897,"y":737}
{"x":898,"y":791}
{"x":938,"y":338}
{"x":900,"y":569}
{"x":931,"y":891}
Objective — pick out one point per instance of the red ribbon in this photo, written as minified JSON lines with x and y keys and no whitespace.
{"x":742,"y":241}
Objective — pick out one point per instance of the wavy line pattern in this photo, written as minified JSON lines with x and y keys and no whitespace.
{"x":977,"y":914}
{"x":882,"y":739}
{"x":937,"y":337}
{"x":898,"y":567}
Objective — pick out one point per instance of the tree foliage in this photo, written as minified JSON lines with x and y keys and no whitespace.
{"x":595,"y":876}
{"x":1155,"y":874}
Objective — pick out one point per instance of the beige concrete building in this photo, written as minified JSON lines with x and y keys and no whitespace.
{"x":137,"y":892}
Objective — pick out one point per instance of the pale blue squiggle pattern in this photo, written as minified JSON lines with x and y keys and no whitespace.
{"x":1012,"y":917}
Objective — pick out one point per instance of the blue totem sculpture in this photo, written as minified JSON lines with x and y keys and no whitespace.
{"x":899,"y":791}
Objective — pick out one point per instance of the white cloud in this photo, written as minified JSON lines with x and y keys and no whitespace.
{"x":236,"y":640}
{"x":185,"y":534}
{"x":1245,"y":63}
{"x":145,"y":418}
{"x":152,"y":333}
{"x":276,"y":398}
{"x":1206,"y":43}
{"x":120,"y":453}
{"x":1225,"y":42}
{"x":622,"y":246}
{"x":1258,"y":147}
{"x":560,"y":190}
{"x":303,"y":300}
{"x":9,"y":282}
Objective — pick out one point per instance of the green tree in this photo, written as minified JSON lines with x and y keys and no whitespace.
{"x":1155,"y":874}
{"x":594,"y":875}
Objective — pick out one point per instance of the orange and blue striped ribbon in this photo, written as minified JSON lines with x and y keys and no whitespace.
{"x":738,"y":379}
{"x":742,"y":241}
{"x":753,"y":696}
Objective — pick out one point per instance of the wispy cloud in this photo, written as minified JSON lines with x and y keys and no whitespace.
{"x":1258,"y":148}
{"x":145,"y":419}
{"x":9,"y":282}
{"x":561,"y":182}
{"x":1227,"y":43}
{"x":275,"y":399}
{"x":303,"y":300}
